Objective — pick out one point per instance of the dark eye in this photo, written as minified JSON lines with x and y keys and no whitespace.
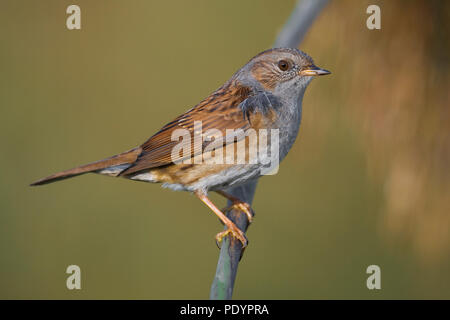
{"x":283,"y":65}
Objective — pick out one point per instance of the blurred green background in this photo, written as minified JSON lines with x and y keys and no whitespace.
{"x":366,"y":183}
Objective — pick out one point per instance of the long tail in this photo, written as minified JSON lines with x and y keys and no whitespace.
{"x":123,"y":160}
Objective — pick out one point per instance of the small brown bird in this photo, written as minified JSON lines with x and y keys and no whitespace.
{"x":265,"y":94}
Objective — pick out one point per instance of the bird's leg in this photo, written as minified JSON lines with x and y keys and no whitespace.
{"x":238,"y":204}
{"x":231,"y":227}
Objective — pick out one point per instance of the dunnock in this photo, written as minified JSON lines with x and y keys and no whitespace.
{"x":266,"y":94}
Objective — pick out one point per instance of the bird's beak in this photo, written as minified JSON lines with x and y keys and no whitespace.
{"x":314,"y":71}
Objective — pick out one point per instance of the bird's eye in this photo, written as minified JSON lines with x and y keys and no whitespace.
{"x":283,"y":65}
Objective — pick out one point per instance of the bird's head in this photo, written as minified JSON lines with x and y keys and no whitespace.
{"x":281,"y":71}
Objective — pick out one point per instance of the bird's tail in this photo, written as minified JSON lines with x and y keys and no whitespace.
{"x":111,"y":166}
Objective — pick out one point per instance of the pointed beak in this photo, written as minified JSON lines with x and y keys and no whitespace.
{"x":314,"y":71}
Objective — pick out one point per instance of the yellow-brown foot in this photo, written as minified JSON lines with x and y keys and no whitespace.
{"x":243,"y":207}
{"x":235,"y":232}
{"x":232,"y":229}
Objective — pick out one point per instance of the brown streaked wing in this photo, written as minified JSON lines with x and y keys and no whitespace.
{"x":218,"y":111}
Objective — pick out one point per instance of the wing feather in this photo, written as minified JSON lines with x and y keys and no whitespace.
{"x":221,"y":111}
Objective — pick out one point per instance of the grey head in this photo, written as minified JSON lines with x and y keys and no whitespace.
{"x":284,"y":72}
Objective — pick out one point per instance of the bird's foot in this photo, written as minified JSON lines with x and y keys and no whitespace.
{"x":243,"y":207}
{"x":234,"y":231}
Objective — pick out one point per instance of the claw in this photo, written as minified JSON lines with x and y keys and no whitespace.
{"x":235,"y":232}
{"x":243,"y":207}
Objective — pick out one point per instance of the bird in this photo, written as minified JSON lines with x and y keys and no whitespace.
{"x":264,"y":95}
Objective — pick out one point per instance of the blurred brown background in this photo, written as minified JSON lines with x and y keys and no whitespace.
{"x":366,"y":183}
